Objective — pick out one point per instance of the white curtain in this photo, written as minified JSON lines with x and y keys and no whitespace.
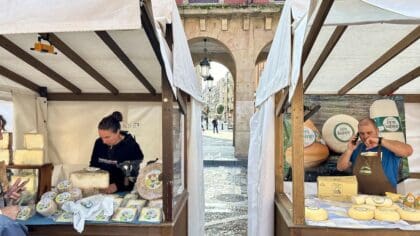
{"x":412,"y":121}
{"x":195,"y":171}
{"x":261,"y":171}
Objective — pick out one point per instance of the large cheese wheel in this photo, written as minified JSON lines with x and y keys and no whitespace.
{"x":379,"y":201}
{"x":315,"y":152}
{"x":46,"y":207}
{"x":316,"y":214}
{"x":90,"y":178}
{"x":387,"y":118}
{"x":409,"y":214}
{"x":386,"y":214}
{"x":361,"y":213}
{"x":338,"y":130}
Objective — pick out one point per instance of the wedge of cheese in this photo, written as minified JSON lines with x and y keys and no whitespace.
{"x":4,"y":143}
{"x":31,"y":186}
{"x":387,"y":119}
{"x":28,"y":157}
{"x":33,"y":141}
{"x":85,"y":179}
{"x":5,"y":156}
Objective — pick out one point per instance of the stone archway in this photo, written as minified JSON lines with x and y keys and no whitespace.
{"x":243,"y":32}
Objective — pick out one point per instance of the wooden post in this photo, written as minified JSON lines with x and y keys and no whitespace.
{"x":279,"y":149}
{"x":167,"y":147}
{"x":297,"y":154}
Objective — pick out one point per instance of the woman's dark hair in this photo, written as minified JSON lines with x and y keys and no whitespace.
{"x":111,"y":122}
{"x":2,"y":122}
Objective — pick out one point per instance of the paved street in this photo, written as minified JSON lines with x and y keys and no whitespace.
{"x":225,"y":182}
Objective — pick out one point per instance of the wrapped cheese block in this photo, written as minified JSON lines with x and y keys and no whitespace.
{"x":64,"y":186}
{"x":315,"y":152}
{"x":387,"y":118}
{"x":117,"y":202}
{"x":28,"y":157}
{"x":101,"y":217}
{"x":337,"y":188}
{"x":361,"y":213}
{"x":149,"y":184}
{"x":90,"y":178}
{"x":338,"y":130}
{"x":31,"y":185}
{"x":379,"y":201}
{"x":409,"y":214}
{"x":5,"y":156}
{"x":125,"y":214}
{"x":46,"y":207}
{"x":150,"y":215}
{"x":62,"y":198}
{"x":4,"y":143}
{"x":33,"y":141}
{"x":386,"y":214}
{"x":25,"y":212}
{"x":315,"y":213}
{"x":65,"y":217}
{"x":158,"y":203}
{"x":49,"y":194}
{"x":137,"y":203}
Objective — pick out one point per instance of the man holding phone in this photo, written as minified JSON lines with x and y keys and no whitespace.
{"x":374,"y":160}
{"x":8,"y":225}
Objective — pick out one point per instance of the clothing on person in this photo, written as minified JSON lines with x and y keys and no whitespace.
{"x":9,"y":227}
{"x":107,"y":158}
{"x":390,"y":162}
{"x":215,"y":128}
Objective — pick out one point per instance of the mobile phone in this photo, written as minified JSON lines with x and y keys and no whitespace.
{"x":354,"y":141}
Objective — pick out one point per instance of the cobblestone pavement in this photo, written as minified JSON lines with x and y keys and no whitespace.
{"x":225,"y":184}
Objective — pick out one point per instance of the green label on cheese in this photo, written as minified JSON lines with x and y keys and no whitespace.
{"x":343,"y":132}
{"x":388,"y":123}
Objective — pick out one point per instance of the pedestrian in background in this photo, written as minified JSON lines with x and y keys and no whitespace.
{"x":215,"y":129}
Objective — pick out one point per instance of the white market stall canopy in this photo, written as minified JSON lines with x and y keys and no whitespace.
{"x":106,"y":50}
{"x":350,"y":47}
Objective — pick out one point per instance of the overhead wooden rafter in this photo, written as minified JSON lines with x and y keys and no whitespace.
{"x":382,"y":60}
{"x":335,"y":37}
{"x":107,"y":39}
{"x":388,"y":90}
{"x":73,"y":56}
{"x":135,"y":97}
{"x":19,"y":79}
{"x":32,"y":61}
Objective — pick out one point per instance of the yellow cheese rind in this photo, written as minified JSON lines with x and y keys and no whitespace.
{"x":5,"y":155}
{"x":395,"y":197}
{"x":409,"y":214}
{"x":358,"y":199}
{"x":84,"y":179}
{"x":379,"y":201}
{"x":4,"y":143}
{"x":361,"y":213}
{"x":337,"y":188}
{"x":28,"y":157}
{"x":316,"y":214}
{"x":385,"y":214}
{"x":33,"y":141}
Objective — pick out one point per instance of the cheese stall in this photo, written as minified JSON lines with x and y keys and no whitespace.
{"x":64,"y":65}
{"x":332,"y":63}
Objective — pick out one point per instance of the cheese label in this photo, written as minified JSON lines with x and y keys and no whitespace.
{"x":343,"y":132}
{"x":388,"y":123}
{"x":309,"y":137}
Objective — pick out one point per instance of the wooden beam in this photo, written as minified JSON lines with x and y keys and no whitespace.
{"x":298,"y":172}
{"x":107,"y":39}
{"x":279,"y":150}
{"x":411,"y":98}
{"x":35,"y":63}
{"x":335,"y":37}
{"x":149,"y":28}
{"x":74,"y":57}
{"x":414,"y":175}
{"x":282,"y":103}
{"x":320,"y":17}
{"x":19,"y":79}
{"x":391,"y":88}
{"x":137,"y":97}
{"x":382,"y":60}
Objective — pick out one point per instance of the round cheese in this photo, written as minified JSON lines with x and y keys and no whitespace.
{"x":64,"y":186}
{"x":316,"y":214}
{"x":315,"y":152}
{"x":76,"y":194}
{"x":361,"y":213}
{"x":46,"y":207}
{"x":338,"y":130}
{"x":358,"y":199}
{"x":386,"y":214}
{"x":149,"y":182}
{"x":409,"y":214}
{"x":365,"y":206}
{"x":386,"y":116}
{"x":49,"y":194}
{"x":379,"y":201}
{"x":62,"y":198}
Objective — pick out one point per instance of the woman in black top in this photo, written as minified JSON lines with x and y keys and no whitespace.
{"x":112,"y":148}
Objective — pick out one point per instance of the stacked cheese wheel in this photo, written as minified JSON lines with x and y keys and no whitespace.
{"x":315,"y":213}
{"x":386,"y":116}
{"x":361,"y":212}
{"x":338,"y":130}
{"x":46,"y":207}
{"x":386,"y":214}
{"x":315,"y":152}
{"x":409,"y":214}
{"x":379,"y":201}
